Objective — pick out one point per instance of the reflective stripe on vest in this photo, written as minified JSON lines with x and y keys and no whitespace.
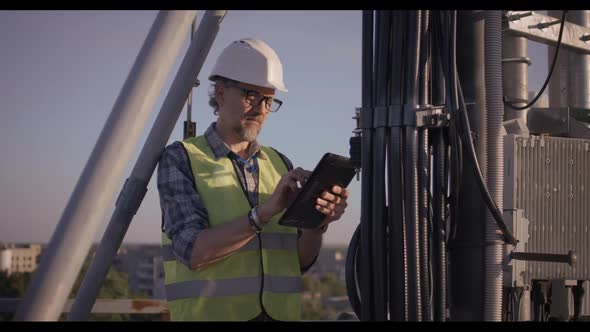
{"x":231,"y":287}
{"x":269,"y":241}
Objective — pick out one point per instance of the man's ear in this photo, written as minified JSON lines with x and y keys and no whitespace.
{"x":219,"y":94}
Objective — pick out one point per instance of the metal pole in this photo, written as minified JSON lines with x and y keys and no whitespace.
{"x":189,"y":102}
{"x":398,"y":283}
{"x":190,"y":127}
{"x":579,"y":67}
{"x":558,"y":85}
{"x":424,"y":169}
{"x":493,"y":250}
{"x":466,"y":251}
{"x":73,"y":236}
{"x":379,"y":146}
{"x":515,"y":78}
{"x":439,"y":200}
{"x":410,"y":168}
{"x":366,"y":286}
{"x":136,"y":185}
{"x":524,"y":305}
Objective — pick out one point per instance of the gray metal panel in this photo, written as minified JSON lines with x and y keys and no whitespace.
{"x":552,"y":184}
{"x":548,"y":178}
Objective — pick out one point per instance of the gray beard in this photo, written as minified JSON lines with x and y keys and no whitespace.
{"x":248,"y":134}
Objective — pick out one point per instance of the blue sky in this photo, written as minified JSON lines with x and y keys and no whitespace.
{"x":61,"y":72}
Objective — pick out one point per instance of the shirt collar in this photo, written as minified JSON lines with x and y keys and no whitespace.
{"x":220,"y":148}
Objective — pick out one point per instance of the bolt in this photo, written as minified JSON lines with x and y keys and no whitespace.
{"x":514,"y":17}
{"x":571,"y":257}
{"x":544,"y":25}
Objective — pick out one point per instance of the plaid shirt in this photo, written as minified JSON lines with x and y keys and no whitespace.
{"x":183,"y":213}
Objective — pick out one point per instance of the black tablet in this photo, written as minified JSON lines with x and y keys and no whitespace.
{"x":330,"y":171}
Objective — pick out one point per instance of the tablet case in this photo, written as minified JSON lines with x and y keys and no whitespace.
{"x":331,"y":170}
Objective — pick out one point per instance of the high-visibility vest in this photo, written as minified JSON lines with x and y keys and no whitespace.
{"x":262,"y":275}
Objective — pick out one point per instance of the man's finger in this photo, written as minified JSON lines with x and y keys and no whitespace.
{"x":345,"y":193}
{"x":342,"y":192}
{"x":328,"y":212}
{"x":328,"y":196}
{"x":337,"y":200}
{"x":326,"y":204}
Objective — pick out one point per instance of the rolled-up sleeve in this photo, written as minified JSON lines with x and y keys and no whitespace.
{"x":183,"y":213}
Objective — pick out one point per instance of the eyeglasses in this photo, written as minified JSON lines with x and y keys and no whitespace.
{"x":254,"y":98}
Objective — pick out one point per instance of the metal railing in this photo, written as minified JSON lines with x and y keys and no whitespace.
{"x":106,"y":306}
{"x":150,"y":307}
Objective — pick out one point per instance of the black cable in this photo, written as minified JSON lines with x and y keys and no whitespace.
{"x":491,"y":204}
{"x":464,"y":128}
{"x":532,"y":102}
{"x":448,"y":25}
{"x":352,"y":266}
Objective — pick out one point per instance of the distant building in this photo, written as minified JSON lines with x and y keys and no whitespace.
{"x":330,"y":260}
{"x":143,"y":265}
{"x":19,"y":257}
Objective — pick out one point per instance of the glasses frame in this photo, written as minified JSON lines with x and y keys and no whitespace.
{"x":247,"y":93}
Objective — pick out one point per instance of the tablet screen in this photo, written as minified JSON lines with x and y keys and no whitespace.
{"x":330,"y":171}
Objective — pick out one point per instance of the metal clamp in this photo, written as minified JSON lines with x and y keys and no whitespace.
{"x":380,"y":116}
{"x":432,"y":117}
{"x":366,"y":117}
{"x":418,"y":116}
{"x":131,"y":195}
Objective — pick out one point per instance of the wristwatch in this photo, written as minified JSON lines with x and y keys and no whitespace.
{"x":253,"y":223}
{"x":256,"y":218}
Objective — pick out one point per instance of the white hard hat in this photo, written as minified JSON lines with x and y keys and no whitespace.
{"x":250,"y":61}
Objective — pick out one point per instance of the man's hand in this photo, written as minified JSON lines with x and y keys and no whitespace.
{"x":332,"y":204}
{"x":284,"y":193}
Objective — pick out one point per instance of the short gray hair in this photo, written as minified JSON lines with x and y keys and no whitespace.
{"x":217,"y":80}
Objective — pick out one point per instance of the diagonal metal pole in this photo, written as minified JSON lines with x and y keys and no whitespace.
{"x":82,"y":216}
{"x":135,"y":187}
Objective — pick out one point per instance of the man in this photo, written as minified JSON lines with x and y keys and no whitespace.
{"x":221,"y":195}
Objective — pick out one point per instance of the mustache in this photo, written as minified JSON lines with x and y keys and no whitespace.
{"x":254,"y":117}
